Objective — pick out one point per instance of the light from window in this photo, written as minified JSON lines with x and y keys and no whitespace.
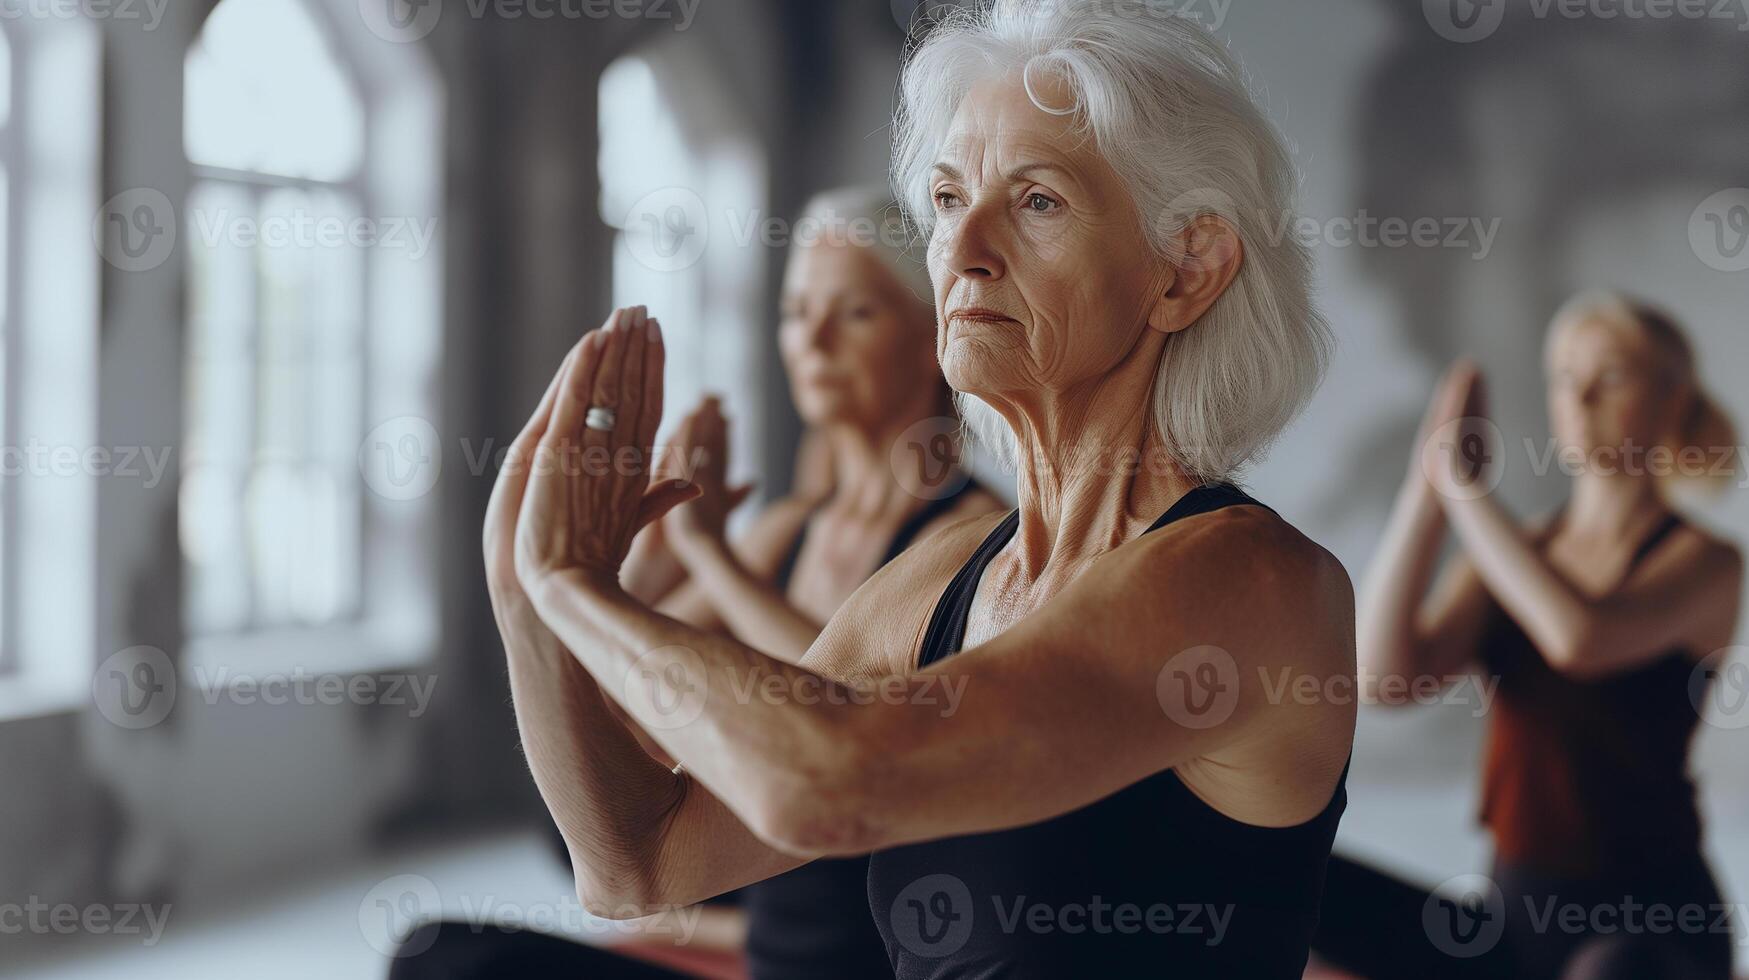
{"x":681,"y":182}
{"x":271,"y":502}
{"x":266,"y":94}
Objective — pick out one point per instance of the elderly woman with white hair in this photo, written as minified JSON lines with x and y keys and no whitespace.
{"x":1083,"y":738}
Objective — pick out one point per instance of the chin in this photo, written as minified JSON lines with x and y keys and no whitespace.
{"x":819,"y":407}
{"x":973,"y":367}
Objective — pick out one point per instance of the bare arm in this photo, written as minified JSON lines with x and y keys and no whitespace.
{"x":752,"y":609}
{"x":1047,"y":717}
{"x":613,"y":803}
{"x":1404,"y":631}
{"x":1688,"y":595}
{"x":745,"y":600}
{"x":1058,"y":711}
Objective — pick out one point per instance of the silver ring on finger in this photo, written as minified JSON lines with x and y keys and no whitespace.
{"x":600,"y":419}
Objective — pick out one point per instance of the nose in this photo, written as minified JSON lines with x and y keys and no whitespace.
{"x":972,"y":250}
{"x":817,"y":332}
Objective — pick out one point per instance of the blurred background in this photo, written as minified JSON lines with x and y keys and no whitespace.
{"x":279,"y":280}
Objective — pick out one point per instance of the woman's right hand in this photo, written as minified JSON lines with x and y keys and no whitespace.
{"x":518,"y":624}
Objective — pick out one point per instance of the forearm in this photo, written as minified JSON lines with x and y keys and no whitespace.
{"x":759,"y":733}
{"x":607,"y":796}
{"x":1397,"y":582}
{"x":690,"y":605}
{"x":1554,"y":616}
{"x":752,"y":609}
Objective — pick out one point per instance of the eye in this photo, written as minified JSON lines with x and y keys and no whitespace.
{"x":945,"y":199}
{"x":1041,"y":203}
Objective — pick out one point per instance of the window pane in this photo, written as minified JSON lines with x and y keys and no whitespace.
{"x":304,"y":536}
{"x":5,"y":78}
{"x":219,"y":378}
{"x":266,"y":94}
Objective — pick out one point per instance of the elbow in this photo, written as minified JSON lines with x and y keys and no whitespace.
{"x":805,"y":825}
{"x":1569,"y":648}
{"x":617,"y":888}
{"x":820,"y":804}
{"x":626,"y":897}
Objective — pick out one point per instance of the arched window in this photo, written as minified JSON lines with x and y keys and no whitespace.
{"x":313,"y":201}
{"x":683,"y":186}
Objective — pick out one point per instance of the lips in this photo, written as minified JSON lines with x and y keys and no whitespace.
{"x":979,"y":314}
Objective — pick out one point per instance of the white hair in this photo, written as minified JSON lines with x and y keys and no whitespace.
{"x":868,"y":217}
{"x":1167,"y":106}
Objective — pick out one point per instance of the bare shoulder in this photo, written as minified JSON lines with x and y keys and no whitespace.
{"x":1281,"y":608}
{"x":1709,"y":551}
{"x":1247,"y":555}
{"x":877,"y":631}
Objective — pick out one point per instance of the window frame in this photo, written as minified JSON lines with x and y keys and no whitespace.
{"x":397,"y":620}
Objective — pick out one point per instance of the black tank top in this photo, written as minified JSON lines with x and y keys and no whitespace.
{"x":813,"y":922}
{"x":1147,"y":882}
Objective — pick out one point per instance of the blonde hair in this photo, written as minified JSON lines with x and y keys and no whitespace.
{"x":868,"y":217}
{"x":1704,"y":424}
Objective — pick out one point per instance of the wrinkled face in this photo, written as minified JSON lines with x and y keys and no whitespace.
{"x":1607,"y":385}
{"x":1043,"y":277}
{"x":854,"y":341}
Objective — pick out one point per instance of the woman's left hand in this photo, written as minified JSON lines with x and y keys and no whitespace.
{"x":702,"y":441}
{"x":589,"y":490}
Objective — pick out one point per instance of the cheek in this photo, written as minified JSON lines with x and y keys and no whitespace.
{"x":789,"y":342}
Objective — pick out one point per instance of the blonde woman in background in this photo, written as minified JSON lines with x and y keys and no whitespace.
{"x":1595,"y":623}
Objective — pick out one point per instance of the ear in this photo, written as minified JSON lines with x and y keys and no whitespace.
{"x":1212,"y":255}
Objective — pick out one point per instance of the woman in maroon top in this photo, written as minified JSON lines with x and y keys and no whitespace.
{"x":1598,"y":625}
